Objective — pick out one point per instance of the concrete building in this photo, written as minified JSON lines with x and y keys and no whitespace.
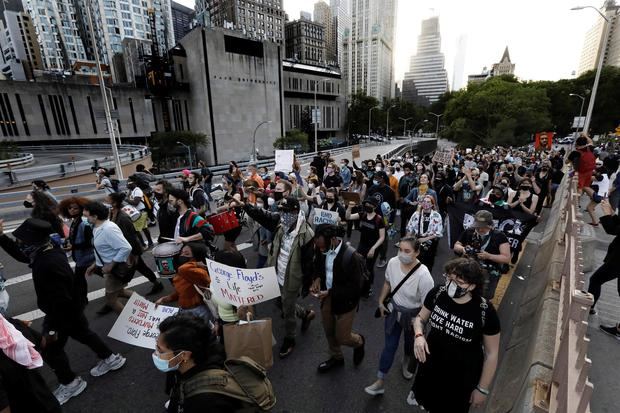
{"x":256,"y":19}
{"x":458,"y":72}
{"x":341,"y":12}
{"x":20,"y":55}
{"x":305,"y":42}
{"x":182,"y":18}
{"x":323,"y":16}
{"x":300,"y":83}
{"x":368,"y":50}
{"x":592,"y":45}
{"x":305,"y":15}
{"x":505,"y":66}
{"x":409,"y":93}
{"x":427,"y":66}
{"x":479,"y":77}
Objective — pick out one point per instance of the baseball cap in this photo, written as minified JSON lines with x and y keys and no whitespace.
{"x":483,"y":219}
{"x":289,"y":204}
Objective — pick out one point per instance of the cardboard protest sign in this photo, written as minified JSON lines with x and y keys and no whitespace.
{"x":355,"y":149}
{"x":138,"y":322}
{"x":323,"y":216}
{"x":444,"y":157}
{"x":284,"y":160}
{"x":242,"y":286}
{"x":351,"y":197}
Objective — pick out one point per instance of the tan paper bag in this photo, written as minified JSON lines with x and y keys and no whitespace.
{"x":251,"y":339}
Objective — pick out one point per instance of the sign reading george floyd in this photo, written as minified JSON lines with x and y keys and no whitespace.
{"x":323,"y":216}
{"x":242,"y":286}
{"x":138,"y":322}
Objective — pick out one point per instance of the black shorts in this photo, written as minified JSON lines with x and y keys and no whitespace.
{"x":233,"y":234}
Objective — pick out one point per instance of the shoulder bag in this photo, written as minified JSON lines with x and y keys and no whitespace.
{"x":395,"y":290}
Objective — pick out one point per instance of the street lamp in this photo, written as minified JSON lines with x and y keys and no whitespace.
{"x":189,"y":153}
{"x":370,"y":118}
{"x":414,"y":131}
{"x":387,"y":126}
{"x":437,"y":128}
{"x":405,"y":127}
{"x":315,"y":118}
{"x":253,"y":157}
{"x":583,"y":100}
{"x":586,"y":124}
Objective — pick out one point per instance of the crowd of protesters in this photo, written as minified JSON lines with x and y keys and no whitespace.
{"x":405,"y":199}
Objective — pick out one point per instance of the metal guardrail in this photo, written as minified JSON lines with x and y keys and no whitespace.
{"x":23,"y":159}
{"x":570,"y":390}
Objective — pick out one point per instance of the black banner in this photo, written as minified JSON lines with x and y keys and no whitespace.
{"x":516,"y":225}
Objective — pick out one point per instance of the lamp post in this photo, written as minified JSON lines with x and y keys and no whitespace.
{"x":189,"y":152}
{"x":387,"y":126}
{"x":437,"y":128}
{"x":414,"y":129}
{"x":315,"y":118}
{"x":106,"y":104}
{"x":607,"y":27}
{"x":253,"y":157}
{"x":583,"y":100}
{"x":370,"y":119}
{"x":405,"y":126}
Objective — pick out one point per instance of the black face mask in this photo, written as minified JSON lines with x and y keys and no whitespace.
{"x":28,"y":204}
{"x":184,"y":260}
{"x":278,"y":196}
{"x":330,"y":200}
{"x":369,"y":209}
{"x":525,"y":188}
{"x":158,"y":196}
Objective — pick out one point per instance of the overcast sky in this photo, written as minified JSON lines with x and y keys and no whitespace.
{"x":544,"y":37}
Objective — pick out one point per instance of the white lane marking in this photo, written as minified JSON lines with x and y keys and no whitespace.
{"x":94,"y":295}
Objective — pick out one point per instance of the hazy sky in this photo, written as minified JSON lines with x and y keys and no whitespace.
{"x":544,"y":37}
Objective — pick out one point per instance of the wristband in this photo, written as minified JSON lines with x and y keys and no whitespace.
{"x":483,"y":391}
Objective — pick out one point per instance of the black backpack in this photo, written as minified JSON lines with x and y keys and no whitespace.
{"x":115,"y":184}
{"x":351,"y":254}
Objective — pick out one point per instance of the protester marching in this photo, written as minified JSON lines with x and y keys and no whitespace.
{"x":330,"y":236}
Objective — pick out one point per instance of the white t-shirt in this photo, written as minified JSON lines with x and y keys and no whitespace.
{"x":137,"y":193}
{"x":603,"y":186}
{"x":412,"y":293}
{"x":107,"y":185}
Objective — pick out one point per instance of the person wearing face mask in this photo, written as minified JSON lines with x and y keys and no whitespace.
{"x":231,"y":194}
{"x":291,"y":253}
{"x":445,"y":195}
{"x":345,"y":174}
{"x":337,"y":284}
{"x":381,"y":192}
{"x":413,"y":198}
{"x":468,"y":188}
{"x":197,"y":196}
{"x":542,"y":185}
{"x":332,"y":178}
{"x":331,"y":204}
{"x":368,"y":169}
{"x":189,"y":226}
{"x":56,"y":297}
{"x":488,"y":246}
{"x":188,"y":349}
{"x":393,"y":182}
{"x":524,"y":199}
{"x":138,"y":199}
{"x":496,"y":198}
{"x":372,"y":235}
{"x":458,"y":358}
{"x":190,"y":273}
{"x":407,"y":281}
{"x":504,"y":184}
{"x":166,"y":216}
{"x":44,"y":208}
{"x":426,"y":225}
{"x":318,"y":163}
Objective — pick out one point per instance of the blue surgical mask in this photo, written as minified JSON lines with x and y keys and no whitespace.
{"x":164,"y":365}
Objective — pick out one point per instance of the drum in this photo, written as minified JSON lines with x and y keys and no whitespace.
{"x":165,"y":255}
{"x":223,"y":222}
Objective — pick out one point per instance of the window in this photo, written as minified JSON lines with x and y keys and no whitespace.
{"x":75,"y":122}
{"x":44,"y":113}
{"x":22,"y":114}
{"x":92,"y":115}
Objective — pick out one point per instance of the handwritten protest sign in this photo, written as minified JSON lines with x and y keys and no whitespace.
{"x":242,"y":286}
{"x":323,"y":216}
{"x":284,"y":160}
{"x":138,"y":322}
{"x":355,"y":149}
{"x":443,"y":157}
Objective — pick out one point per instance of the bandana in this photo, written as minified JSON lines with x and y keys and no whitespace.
{"x":16,"y":347}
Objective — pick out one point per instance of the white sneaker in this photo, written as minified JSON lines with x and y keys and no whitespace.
{"x":381,"y":263}
{"x":64,"y":392}
{"x":406,"y":373}
{"x":375,"y":389}
{"x":411,"y":401}
{"x":114,"y":362}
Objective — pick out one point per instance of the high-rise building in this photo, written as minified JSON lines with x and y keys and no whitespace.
{"x":594,"y":38}
{"x":427,"y":71}
{"x":304,"y":41}
{"x":369,"y":48}
{"x":341,"y":12}
{"x":181,"y":20}
{"x":505,"y":66}
{"x":459,"y":62}
{"x":10,"y":5}
{"x":305,"y":15}
{"x":323,"y":15}
{"x":19,"y":50}
{"x":256,"y":19}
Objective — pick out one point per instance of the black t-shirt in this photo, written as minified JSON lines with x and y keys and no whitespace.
{"x":332,"y":181}
{"x":491,"y":245}
{"x":369,"y":231}
{"x":382,"y":193}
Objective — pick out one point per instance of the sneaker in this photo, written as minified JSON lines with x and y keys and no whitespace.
{"x":611,"y":330}
{"x":287,"y":347}
{"x":157,"y":287}
{"x":411,"y":401}
{"x":64,"y":392}
{"x":406,"y":373}
{"x":305,"y":323}
{"x":327,"y":365}
{"x":114,"y":362}
{"x":381,"y":263}
{"x":593,"y":311}
{"x":375,"y":389}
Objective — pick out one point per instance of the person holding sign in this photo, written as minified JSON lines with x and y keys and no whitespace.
{"x":338,"y":281}
{"x":331,"y":203}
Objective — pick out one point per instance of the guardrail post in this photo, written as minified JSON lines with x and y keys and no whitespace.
{"x":62,"y":170}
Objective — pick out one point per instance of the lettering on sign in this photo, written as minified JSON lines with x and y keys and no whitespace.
{"x":444,"y":157}
{"x":323,"y":216}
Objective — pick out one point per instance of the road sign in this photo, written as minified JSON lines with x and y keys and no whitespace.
{"x":316,"y":116}
{"x":579,"y":122}
{"x":100,"y":114}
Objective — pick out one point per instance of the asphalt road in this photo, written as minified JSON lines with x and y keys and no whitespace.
{"x":139,"y":387}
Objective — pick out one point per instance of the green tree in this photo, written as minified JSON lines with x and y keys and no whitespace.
{"x":8,"y":149}
{"x":294,"y":139}
{"x":359,"y":106}
{"x":164,"y":146}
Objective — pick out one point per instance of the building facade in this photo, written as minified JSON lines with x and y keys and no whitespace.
{"x":479,"y":77}
{"x":427,"y":66}
{"x":20,"y":55}
{"x":305,"y":42}
{"x":182,"y":18}
{"x":368,"y":48}
{"x":505,"y":66}
{"x":593,"y":41}
{"x":323,"y":16}
{"x":458,"y":72}
{"x":341,"y":12}
{"x":255,"y":19}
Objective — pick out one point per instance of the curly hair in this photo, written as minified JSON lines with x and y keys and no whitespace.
{"x":63,"y":206}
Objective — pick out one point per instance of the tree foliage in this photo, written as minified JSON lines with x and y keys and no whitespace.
{"x":8,"y":149}
{"x":164,"y":145}
{"x":294,"y":139}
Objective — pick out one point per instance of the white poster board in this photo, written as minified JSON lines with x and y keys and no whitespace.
{"x":284,"y":160}
{"x":323,"y":216}
{"x":443,"y":157}
{"x":242,"y":286}
{"x":138,"y":322}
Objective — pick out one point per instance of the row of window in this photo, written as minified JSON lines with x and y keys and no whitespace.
{"x":330,"y":116}
{"x":297,"y":84}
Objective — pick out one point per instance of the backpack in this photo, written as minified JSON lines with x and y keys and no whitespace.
{"x":242,"y":379}
{"x":351,"y":254}
{"x":115,"y":184}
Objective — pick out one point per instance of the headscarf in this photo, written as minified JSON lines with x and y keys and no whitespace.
{"x":16,"y":347}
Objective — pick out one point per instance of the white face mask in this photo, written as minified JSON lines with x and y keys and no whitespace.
{"x":405,"y":258}
{"x":270,"y":201}
{"x":311,"y":186}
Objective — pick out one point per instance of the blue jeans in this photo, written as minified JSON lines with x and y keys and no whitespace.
{"x":389,"y":349}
